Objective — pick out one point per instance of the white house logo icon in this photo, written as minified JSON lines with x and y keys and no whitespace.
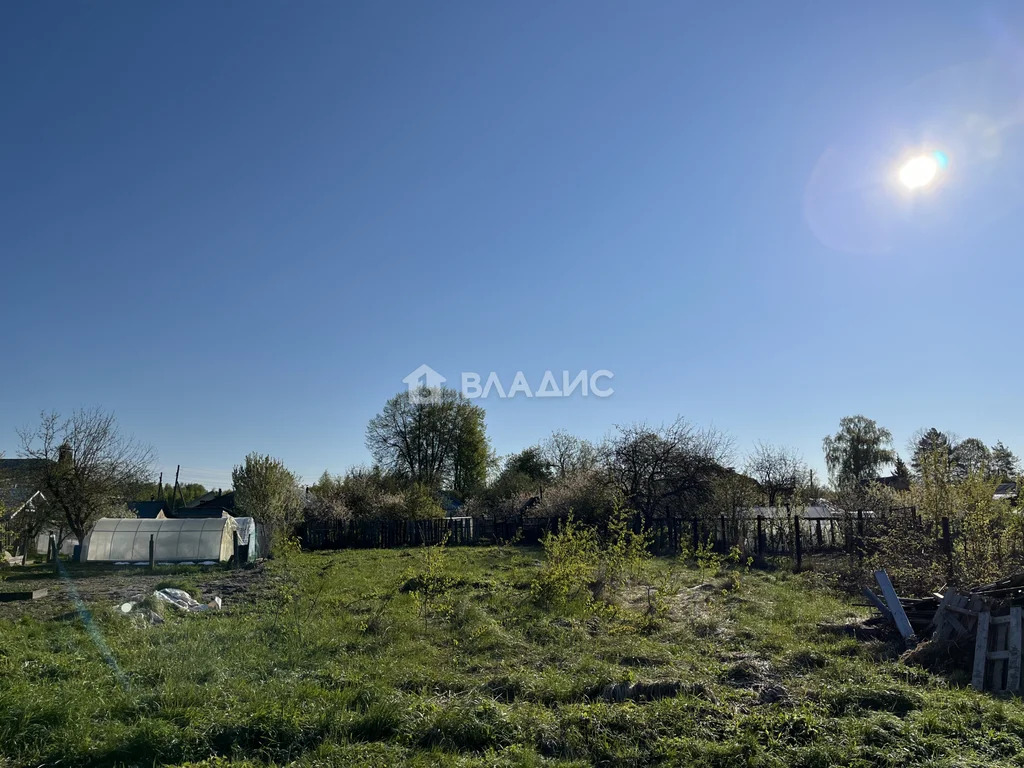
{"x":424,"y":384}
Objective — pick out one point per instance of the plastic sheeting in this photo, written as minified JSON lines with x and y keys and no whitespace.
{"x":174,"y":541}
{"x":247,"y":537}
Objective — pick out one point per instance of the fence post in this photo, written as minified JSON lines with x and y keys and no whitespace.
{"x":696,"y":534}
{"x":234,"y":545}
{"x":947,"y":539}
{"x":798,"y":548}
{"x":725,"y":536}
{"x":860,"y":534}
{"x":760,"y":537}
{"x":152,"y":551}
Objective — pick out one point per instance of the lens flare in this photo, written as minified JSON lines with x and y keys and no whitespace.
{"x":920,"y":171}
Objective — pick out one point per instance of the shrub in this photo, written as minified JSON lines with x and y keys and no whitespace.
{"x":570,"y":563}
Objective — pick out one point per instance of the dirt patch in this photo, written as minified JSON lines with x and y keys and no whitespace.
{"x":869,"y":629}
{"x":938,"y":657}
{"x":757,"y":675}
{"x":103,"y":586}
{"x":653,"y":690}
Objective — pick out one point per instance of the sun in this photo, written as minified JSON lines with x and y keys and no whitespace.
{"x":921,"y":170}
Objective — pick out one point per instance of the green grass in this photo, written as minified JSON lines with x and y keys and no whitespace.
{"x":335,"y":662}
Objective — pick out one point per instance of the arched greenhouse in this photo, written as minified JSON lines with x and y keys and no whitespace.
{"x":115,"y":540}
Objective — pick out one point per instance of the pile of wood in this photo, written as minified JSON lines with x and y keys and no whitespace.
{"x":986,"y":617}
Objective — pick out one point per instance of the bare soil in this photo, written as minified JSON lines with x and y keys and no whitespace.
{"x":100,"y":585}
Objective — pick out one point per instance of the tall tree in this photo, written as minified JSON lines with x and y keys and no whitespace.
{"x":427,"y":438}
{"x":971,"y":457}
{"x":931,"y":448}
{"x":858,"y":450}
{"x":778,"y":471}
{"x":89,"y":468}
{"x":472,"y":452}
{"x":266,"y":490}
{"x":900,"y":469}
{"x":568,"y":455}
{"x":1004,"y":465}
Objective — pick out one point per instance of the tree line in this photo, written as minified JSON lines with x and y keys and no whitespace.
{"x":432,"y":456}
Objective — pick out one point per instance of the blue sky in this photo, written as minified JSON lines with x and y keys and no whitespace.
{"x":240,"y":225}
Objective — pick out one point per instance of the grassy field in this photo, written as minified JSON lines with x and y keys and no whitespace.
{"x":334,"y":659}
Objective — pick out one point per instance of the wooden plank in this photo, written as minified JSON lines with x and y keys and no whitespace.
{"x":1014,"y":649}
{"x":876,"y":601}
{"x":962,"y":611}
{"x":892,"y":600}
{"x":996,"y":620}
{"x":954,"y":628}
{"x":999,"y":655}
{"x":980,"y":652}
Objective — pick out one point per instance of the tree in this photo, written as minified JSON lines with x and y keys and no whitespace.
{"x":524,"y":474}
{"x":667,"y":469}
{"x":857,"y":451}
{"x":568,"y":455}
{"x":900,"y":469}
{"x":189,"y":491}
{"x":374,"y":494}
{"x":433,"y":439}
{"x":971,"y":457}
{"x":931,"y":448}
{"x":529,"y":463}
{"x":1003,"y":464}
{"x":777,"y":469}
{"x":268,"y":492}
{"x":472,"y":453}
{"x":325,"y":500}
{"x":88,"y":469}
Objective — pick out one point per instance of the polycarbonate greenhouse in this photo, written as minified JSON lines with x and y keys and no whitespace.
{"x":114,"y":540}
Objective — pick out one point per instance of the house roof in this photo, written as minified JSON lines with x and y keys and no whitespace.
{"x":194,"y":512}
{"x":895,"y":482}
{"x":19,"y":484}
{"x":148,"y":510}
{"x":225,"y":501}
{"x":17,"y":469}
{"x":13,"y":500}
{"x":1005,"y":491}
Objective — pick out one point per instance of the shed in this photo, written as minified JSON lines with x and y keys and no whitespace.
{"x":174,"y":541}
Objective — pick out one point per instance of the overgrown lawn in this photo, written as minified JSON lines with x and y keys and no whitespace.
{"x":392,"y":658}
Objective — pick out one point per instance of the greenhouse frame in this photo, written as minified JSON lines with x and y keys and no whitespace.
{"x":174,"y":540}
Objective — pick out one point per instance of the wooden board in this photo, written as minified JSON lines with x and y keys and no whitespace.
{"x":876,"y":601}
{"x":1014,"y":646}
{"x":892,"y":601}
{"x":980,"y":652}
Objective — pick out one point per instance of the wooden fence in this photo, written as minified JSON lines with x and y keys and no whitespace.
{"x":762,"y":537}
{"x":385,"y":534}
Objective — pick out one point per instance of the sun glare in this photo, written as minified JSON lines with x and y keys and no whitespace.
{"x":920,"y":171}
